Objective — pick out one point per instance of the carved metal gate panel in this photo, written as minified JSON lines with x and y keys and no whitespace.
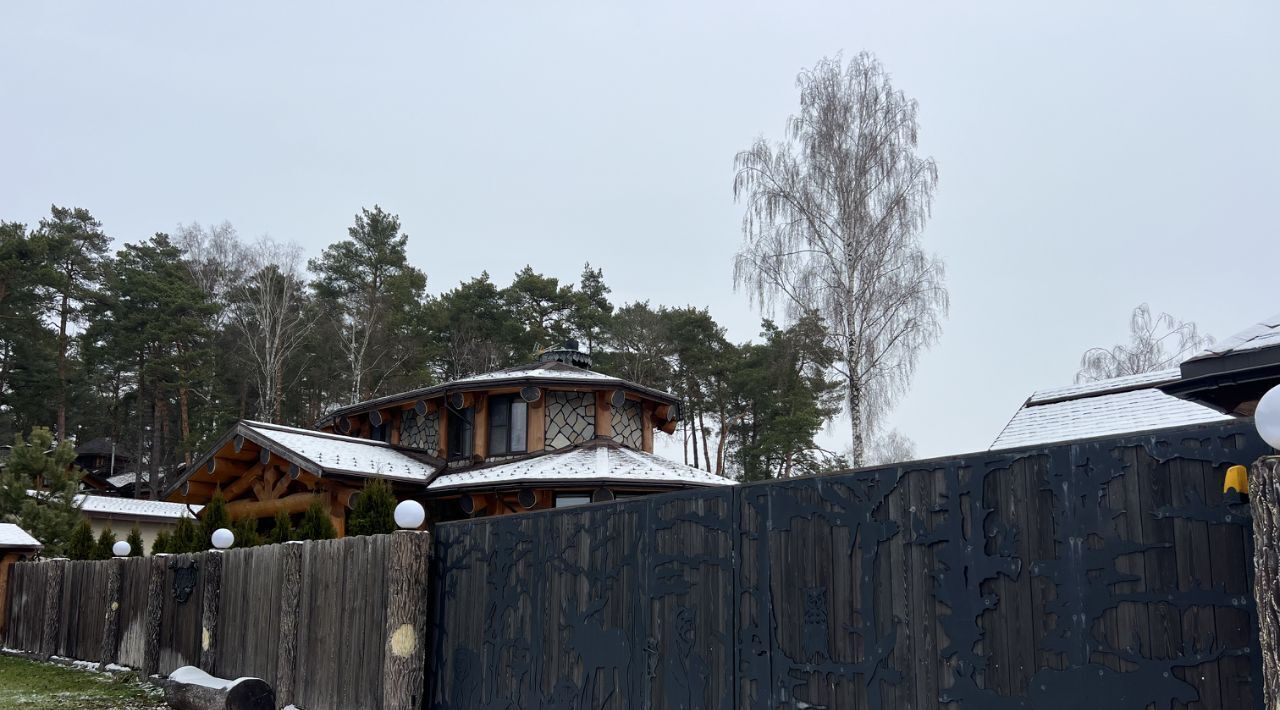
{"x":1102,"y":574}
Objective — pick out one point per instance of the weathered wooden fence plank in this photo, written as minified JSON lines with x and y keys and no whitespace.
{"x":404,"y":658}
{"x":287,"y":652}
{"x":110,"y":644}
{"x":211,"y":588}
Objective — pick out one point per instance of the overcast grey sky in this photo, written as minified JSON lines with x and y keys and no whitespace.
{"x":1092,"y":155}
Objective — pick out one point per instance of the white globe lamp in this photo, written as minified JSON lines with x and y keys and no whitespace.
{"x":410,"y":514}
{"x":223,"y":538}
{"x":121,"y":549}
{"x":1267,"y":417}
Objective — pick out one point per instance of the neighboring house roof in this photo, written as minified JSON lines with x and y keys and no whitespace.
{"x":100,"y":446}
{"x":545,"y":373}
{"x":120,"y":480}
{"x":1117,"y":406}
{"x":592,"y":462}
{"x":1231,"y":376}
{"x":112,"y":506}
{"x":14,"y":537}
{"x":1264,"y":334}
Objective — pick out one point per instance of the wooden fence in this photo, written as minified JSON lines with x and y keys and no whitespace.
{"x":312,"y":619}
{"x":1099,"y":574}
{"x":1105,"y":574}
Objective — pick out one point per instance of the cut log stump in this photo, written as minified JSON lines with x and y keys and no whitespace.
{"x":189,"y":688}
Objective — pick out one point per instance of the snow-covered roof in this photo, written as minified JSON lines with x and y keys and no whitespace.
{"x":1115,"y":384}
{"x":13,"y":536}
{"x":586,"y":463}
{"x":121,"y":480}
{"x":134,"y":507}
{"x":1263,"y":334}
{"x":1119,"y":406}
{"x":329,"y":453}
{"x":550,"y":370}
{"x":534,"y":373}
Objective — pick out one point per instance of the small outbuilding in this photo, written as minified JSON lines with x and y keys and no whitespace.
{"x":16,"y":545}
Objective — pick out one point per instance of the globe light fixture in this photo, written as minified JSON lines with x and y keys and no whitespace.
{"x":121,"y":549}
{"x":1267,"y":417}
{"x":410,"y":514}
{"x":223,"y":538}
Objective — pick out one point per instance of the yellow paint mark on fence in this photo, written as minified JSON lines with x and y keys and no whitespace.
{"x":404,"y":641}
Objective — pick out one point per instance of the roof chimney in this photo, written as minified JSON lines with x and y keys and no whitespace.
{"x":568,"y":353}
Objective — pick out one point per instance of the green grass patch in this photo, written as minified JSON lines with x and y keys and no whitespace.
{"x":46,"y":686}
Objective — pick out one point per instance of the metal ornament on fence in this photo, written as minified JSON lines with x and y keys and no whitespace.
{"x":184,"y":578}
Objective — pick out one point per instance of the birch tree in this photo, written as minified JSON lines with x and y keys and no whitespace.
{"x":832,"y":226}
{"x":269,"y":312}
{"x":1155,"y":343}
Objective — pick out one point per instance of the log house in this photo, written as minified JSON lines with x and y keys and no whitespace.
{"x":548,"y":434}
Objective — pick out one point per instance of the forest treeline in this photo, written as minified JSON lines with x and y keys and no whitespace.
{"x":165,"y":342}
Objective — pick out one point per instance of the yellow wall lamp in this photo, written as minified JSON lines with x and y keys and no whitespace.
{"x":1237,"y":480}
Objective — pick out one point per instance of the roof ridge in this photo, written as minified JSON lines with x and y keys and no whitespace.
{"x":1112,"y":385}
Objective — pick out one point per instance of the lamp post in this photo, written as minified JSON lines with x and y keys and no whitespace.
{"x":223,"y":538}
{"x":1264,"y":503}
{"x":410,"y":514}
{"x":121,"y":549}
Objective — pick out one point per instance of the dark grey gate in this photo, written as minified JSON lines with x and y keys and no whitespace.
{"x":1102,"y":574}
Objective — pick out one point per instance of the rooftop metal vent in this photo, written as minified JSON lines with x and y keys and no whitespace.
{"x":568,"y":354}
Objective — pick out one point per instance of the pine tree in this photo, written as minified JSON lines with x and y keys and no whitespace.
{"x":151,"y":324}
{"x":135,"y":542}
{"x":370,"y":289}
{"x":162,"y":543}
{"x":74,"y":250}
{"x":52,"y":514}
{"x":316,"y":524}
{"x":283,"y":530}
{"x":81,"y":545}
{"x":186,"y":538}
{"x":214,"y":515}
{"x":375,"y":510}
{"x":106,"y":540}
{"x":246,"y":532}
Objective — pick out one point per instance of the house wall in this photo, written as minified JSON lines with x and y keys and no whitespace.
{"x":571,"y":418}
{"x":122,"y":526}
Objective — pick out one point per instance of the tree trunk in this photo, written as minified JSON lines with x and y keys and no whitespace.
{"x":724,"y":426}
{"x":1264,"y":500}
{"x":278,"y":395}
{"x":142,"y":433}
{"x":855,"y":397}
{"x":706,"y":451}
{"x":62,"y":368}
{"x":855,"y":421}
{"x":693,"y":431}
{"x":684,"y":441}
{"x":156,"y":446}
{"x":184,"y":424}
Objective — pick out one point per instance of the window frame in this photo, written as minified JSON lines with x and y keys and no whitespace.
{"x":459,"y":420}
{"x":508,"y":404}
{"x":571,"y":499}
